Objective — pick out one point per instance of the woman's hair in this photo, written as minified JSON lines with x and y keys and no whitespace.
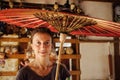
{"x":42,"y":29}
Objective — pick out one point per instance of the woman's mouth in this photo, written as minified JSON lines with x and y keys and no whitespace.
{"x":42,"y":52}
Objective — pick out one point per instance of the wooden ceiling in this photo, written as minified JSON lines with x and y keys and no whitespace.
{"x":5,"y":3}
{"x":86,"y":0}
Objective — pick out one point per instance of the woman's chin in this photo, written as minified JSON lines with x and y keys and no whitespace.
{"x":43,"y":54}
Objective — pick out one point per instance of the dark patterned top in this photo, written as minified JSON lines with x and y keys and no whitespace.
{"x":26,"y":73}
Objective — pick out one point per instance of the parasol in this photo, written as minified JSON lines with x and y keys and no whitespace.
{"x":63,"y":23}
{"x":25,"y":18}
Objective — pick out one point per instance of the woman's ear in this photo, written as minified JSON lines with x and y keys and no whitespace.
{"x":53,"y":47}
{"x":31,"y":45}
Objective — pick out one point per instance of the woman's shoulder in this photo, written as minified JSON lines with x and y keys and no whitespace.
{"x":24,"y":69}
{"x":21,"y":74}
{"x":64,"y":72}
{"x":61,"y":65}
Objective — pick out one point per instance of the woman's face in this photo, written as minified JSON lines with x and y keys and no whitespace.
{"x":41,"y":44}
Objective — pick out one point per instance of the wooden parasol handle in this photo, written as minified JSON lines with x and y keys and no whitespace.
{"x":62,"y":40}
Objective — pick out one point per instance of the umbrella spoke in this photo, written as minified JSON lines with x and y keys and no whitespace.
{"x":33,"y":22}
{"x":110,"y":31}
{"x":91,"y":30}
{"x":111,"y":26}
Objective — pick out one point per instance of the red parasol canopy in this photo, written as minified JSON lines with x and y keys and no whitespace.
{"x":26,"y":18}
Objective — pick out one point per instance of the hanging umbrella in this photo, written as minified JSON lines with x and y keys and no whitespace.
{"x":93,"y":26}
{"x":63,"y":23}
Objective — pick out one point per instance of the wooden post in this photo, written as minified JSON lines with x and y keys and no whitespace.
{"x":116,"y":58}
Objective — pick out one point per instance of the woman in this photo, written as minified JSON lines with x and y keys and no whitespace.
{"x":42,"y":68}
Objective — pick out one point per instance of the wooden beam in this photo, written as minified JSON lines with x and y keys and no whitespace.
{"x":8,"y":73}
{"x":103,"y":0}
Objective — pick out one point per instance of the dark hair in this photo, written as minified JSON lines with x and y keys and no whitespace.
{"x":41,"y":30}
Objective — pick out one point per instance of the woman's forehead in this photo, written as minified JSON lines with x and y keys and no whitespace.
{"x":42,"y":36}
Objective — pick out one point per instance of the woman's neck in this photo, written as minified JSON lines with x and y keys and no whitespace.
{"x":42,"y":62}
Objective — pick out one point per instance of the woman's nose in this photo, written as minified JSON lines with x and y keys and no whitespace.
{"x":42,"y":45}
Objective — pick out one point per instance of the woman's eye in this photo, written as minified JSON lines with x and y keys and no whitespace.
{"x":47,"y":43}
{"x":44,"y":43}
{"x":38,"y":43}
